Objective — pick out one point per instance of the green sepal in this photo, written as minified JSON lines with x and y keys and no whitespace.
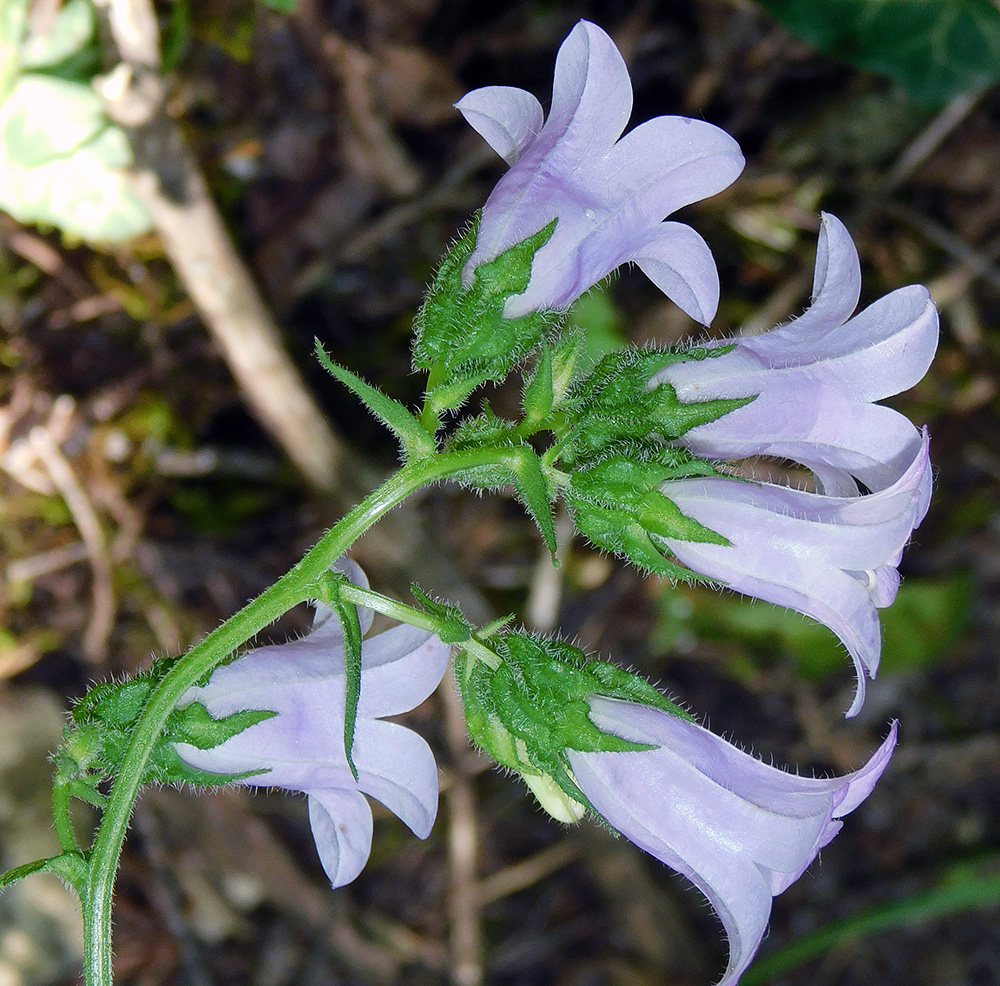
{"x":567,"y":353}
{"x":615,"y":531}
{"x":70,"y":867}
{"x":350,"y":626}
{"x":539,"y":396}
{"x":103,"y":721}
{"x":413,"y":438}
{"x":614,"y":407}
{"x":461,"y":334}
{"x":534,"y":492}
{"x":484,"y":431}
{"x":617,"y":504}
{"x":534,"y":706}
{"x":192,"y":724}
{"x":85,"y":789}
{"x":451,"y":627}
{"x":119,"y":703}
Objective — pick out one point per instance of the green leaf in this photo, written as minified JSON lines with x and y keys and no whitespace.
{"x":20,"y":872}
{"x":282,"y":6}
{"x":61,"y":162}
{"x":68,"y":866}
{"x":413,"y":438}
{"x":13,"y":18}
{"x":69,"y":31}
{"x":934,"y":49}
{"x":47,"y":118}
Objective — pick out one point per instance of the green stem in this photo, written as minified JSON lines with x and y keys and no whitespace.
{"x":291,"y":589}
{"x":429,"y":417}
{"x":63,"y":823}
{"x":415,"y":617}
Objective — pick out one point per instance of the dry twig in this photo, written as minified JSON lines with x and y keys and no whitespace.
{"x":194,"y":237}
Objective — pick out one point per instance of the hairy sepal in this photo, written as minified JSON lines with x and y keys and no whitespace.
{"x":533,"y":707}
{"x":614,"y":406}
{"x":618,"y":503}
{"x":518,"y":465}
{"x":462,"y":336}
{"x":95,"y":744}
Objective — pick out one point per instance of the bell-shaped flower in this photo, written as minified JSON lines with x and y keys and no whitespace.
{"x":740,"y":830}
{"x":815,"y":379}
{"x":302,"y":747}
{"x":609,"y":195}
{"x":832,"y":558}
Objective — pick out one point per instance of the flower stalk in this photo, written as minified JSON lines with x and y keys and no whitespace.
{"x":294,"y":587}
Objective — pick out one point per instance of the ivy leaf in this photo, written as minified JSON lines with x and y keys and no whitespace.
{"x":934,"y":50}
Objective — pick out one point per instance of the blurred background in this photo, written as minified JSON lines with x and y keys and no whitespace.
{"x":169,"y":446}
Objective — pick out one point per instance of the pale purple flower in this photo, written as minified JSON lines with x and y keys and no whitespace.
{"x":740,"y":830}
{"x":832,"y":558}
{"x":817,"y":377}
{"x":609,"y":195}
{"x":302,"y":747}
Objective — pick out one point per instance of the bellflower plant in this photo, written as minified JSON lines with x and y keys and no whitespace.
{"x":301,"y":747}
{"x":814,"y":380}
{"x":740,"y":830}
{"x":584,"y":734}
{"x":831,"y":558}
{"x":608,"y":193}
{"x":637,"y":448}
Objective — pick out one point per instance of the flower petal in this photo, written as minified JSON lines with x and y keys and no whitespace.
{"x":667,"y":163}
{"x":819,"y":426}
{"x":397,"y":767}
{"x":591,"y":89}
{"x":509,"y":119}
{"x":836,"y":287}
{"x":606,"y":197}
{"x":740,"y":830}
{"x":342,"y":829}
{"x":882,"y":351}
{"x":670,"y":828}
{"x":678,"y":261}
{"x":400,"y":668}
{"x":830,"y":558}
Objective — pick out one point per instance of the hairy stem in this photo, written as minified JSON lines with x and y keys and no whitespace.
{"x":292,"y":588}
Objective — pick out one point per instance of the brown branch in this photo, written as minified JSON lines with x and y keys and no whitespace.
{"x":170,"y":183}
